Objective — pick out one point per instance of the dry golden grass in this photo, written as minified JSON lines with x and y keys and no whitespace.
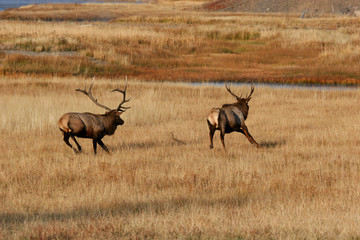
{"x":169,"y":40}
{"x":303,"y":183}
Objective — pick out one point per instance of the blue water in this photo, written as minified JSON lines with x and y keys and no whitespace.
{"x":5,"y":4}
{"x":280,"y":85}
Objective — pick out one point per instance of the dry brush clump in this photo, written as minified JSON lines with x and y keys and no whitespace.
{"x":161,"y":179}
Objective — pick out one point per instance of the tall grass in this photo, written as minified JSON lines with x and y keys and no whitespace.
{"x":162,"y":181}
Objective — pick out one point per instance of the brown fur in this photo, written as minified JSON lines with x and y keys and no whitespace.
{"x":241,"y":105}
{"x":89,"y":125}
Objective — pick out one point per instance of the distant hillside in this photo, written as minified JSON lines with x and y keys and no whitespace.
{"x":290,"y":6}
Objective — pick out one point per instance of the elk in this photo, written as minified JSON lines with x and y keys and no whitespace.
{"x":230,"y":118}
{"x":90,"y":125}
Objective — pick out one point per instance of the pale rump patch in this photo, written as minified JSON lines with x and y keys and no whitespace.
{"x":213,"y":117}
{"x":63,"y":124}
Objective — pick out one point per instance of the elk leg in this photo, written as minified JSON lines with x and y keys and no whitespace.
{"x":211,"y":134}
{"x":248,"y":136}
{"x":76,"y":142}
{"x":222,"y":139}
{"x":212,"y":131}
{"x":103,"y":145}
{"x":94,"y":145}
{"x":66,"y":140}
{"x":222,"y":128}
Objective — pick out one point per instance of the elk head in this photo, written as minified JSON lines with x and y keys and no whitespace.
{"x":242,"y":102}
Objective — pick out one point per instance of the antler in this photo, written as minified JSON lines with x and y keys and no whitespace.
{"x":120,"y":107}
{"x":89,"y":94}
{"x":228,"y":89}
{"x":251,"y":92}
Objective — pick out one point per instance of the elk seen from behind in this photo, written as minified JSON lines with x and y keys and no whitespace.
{"x":90,"y":125}
{"x":230,"y":118}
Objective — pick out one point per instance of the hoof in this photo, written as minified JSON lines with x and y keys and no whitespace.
{"x":211,"y":146}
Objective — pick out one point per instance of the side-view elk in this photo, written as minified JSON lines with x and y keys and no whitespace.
{"x":230,"y":118}
{"x":90,"y":125}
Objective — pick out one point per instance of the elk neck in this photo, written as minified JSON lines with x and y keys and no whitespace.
{"x":110,"y":121}
{"x":241,"y":104}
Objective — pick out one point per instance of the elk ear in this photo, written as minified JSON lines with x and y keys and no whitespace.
{"x":118,"y":113}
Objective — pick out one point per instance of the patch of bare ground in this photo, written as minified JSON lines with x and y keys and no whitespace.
{"x":312,"y":8}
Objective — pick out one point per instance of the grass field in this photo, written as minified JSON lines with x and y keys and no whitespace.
{"x":172,"y":41}
{"x":161,"y":180}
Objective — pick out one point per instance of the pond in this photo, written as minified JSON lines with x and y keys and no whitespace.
{"x":281,"y":85}
{"x":5,"y":4}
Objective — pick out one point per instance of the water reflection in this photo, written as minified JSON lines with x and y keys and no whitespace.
{"x":5,"y":4}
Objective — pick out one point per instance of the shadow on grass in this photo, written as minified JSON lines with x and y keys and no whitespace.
{"x":134,"y":145}
{"x":172,"y":141}
{"x":271,"y":144}
{"x":124,"y":209}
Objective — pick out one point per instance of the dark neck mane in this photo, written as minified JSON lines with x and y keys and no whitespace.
{"x":241,"y":105}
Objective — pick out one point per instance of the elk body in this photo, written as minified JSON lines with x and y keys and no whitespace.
{"x":90,"y":125}
{"x":230,"y":118}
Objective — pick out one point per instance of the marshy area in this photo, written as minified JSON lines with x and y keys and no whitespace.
{"x":175,"y":41}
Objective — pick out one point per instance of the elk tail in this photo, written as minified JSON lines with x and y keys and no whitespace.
{"x":63,"y":125}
